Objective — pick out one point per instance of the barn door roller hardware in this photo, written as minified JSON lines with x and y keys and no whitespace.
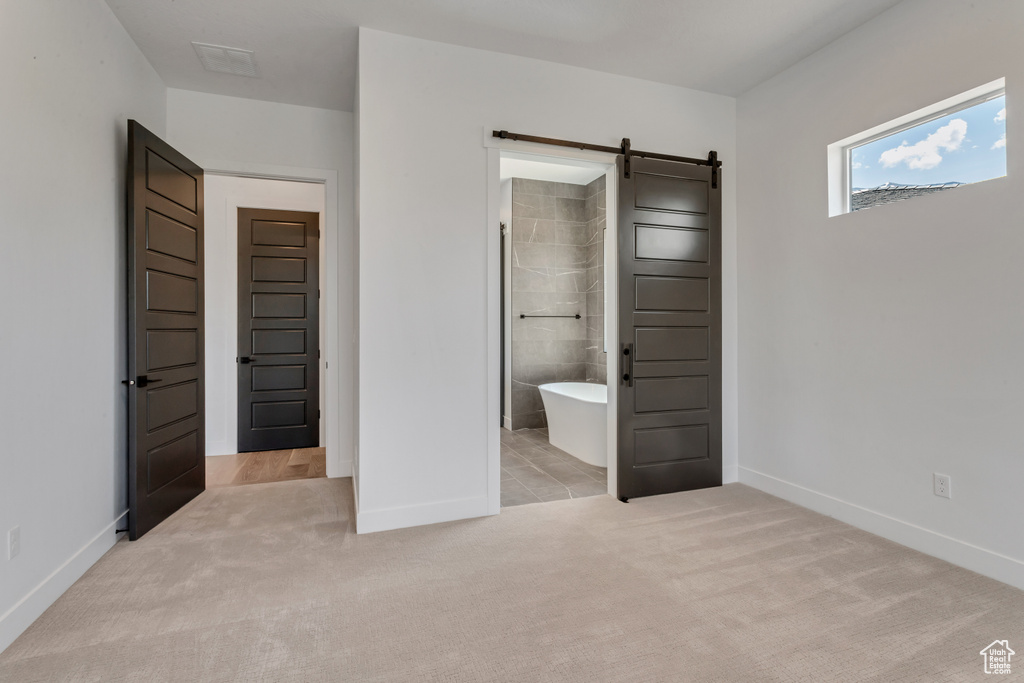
{"x":624,"y":149}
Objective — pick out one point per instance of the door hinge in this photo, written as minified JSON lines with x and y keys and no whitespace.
{"x":627,"y":154}
{"x":318,"y":413}
{"x":318,"y":354}
{"x":318,"y":294}
{"x":713,"y":163}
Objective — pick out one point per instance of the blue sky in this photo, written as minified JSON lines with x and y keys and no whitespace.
{"x":965,"y":147}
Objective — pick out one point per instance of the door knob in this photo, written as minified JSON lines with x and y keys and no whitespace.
{"x":245,"y":360}
{"x":142,"y":381}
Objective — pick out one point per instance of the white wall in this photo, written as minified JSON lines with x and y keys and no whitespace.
{"x":423,"y":287}
{"x":269,"y":139}
{"x":879,"y":347}
{"x":223,"y":196}
{"x":71,"y":77}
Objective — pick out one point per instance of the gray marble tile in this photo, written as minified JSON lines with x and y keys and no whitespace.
{"x":585,"y":489}
{"x":529,"y":420}
{"x":535,"y":256}
{"x":557,"y":452}
{"x":542,"y":352}
{"x":526,"y":205}
{"x":533,"y":374}
{"x":567,"y":209}
{"x":539,"y":457}
{"x":550,"y":231}
{"x":552,"y":493}
{"x":534,"y":435}
{"x":546,"y":303}
{"x":546,"y":279}
{"x":596,"y":473}
{"x":526,"y":401}
{"x":594,"y":234}
{"x":533,"y":478}
{"x":566,"y":473}
{"x":514,"y":493}
{"x":511,"y":459}
{"x":572,"y":372}
{"x":548,"y":188}
{"x":548,"y":329}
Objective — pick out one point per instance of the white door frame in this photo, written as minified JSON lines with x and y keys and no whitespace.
{"x":339,"y":461}
{"x":495,"y":148}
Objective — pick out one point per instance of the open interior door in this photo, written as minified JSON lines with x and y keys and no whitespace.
{"x":670,"y":329}
{"x":166,"y":430}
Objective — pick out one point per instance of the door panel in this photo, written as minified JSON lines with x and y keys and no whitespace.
{"x":278,"y":302}
{"x":166,"y":430}
{"x":672,"y":294}
{"x":670,"y":413}
{"x":671,"y":244}
{"x":169,"y":237}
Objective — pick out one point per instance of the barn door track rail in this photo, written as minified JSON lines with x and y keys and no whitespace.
{"x":624,"y":149}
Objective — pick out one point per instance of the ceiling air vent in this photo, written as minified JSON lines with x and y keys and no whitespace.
{"x":227,"y":60}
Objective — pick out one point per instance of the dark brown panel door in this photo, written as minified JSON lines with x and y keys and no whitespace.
{"x":278,"y":331}
{"x":670,"y":329}
{"x":166,"y":428}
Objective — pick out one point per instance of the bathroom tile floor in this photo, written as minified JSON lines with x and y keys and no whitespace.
{"x":534,"y":471}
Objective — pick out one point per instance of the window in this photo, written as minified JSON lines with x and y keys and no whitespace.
{"x":956,"y":142}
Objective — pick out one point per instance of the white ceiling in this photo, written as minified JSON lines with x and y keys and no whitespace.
{"x":306,"y":49}
{"x":551,"y":169}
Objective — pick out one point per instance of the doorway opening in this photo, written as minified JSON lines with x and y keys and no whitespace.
{"x":266,"y":366}
{"x":554,"y":426}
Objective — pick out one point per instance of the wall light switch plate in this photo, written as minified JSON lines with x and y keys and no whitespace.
{"x":941,"y":484}
{"x":13,"y":542}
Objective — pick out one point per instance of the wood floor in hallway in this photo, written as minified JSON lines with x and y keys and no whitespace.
{"x":265,"y":466}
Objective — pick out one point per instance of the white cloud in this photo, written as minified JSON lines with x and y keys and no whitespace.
{"x":857,"y":165}
{"x":925,"y":154}
{"x":1001,"y":142}
{"x":1001,"y":116}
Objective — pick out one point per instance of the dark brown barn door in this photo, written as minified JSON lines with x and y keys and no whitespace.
{"x":166,"y":427}
{"x":670,"y":329}
{"x":278,"y":332}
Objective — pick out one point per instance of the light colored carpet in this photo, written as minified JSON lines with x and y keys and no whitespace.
{"x":269,"y":582}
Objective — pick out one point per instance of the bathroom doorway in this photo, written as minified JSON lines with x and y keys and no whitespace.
{"x":554,"y":432}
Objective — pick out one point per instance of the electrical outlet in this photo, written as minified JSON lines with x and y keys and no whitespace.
{"x":13,"y":542}
{"x":942,"y":483}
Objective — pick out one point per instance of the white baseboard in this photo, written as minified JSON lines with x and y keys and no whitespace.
{"x":507,"y":421}
{"x":344,"y":469}
{"x":371,"y":521}
{"x":730,"y":474}
{"x":19,"y":617}
{"x":219,"y":448}
{"x":963,"y":554}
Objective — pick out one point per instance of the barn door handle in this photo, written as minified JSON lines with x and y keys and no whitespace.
{"x":245,"y":360}
{"x":142,"y":380}
{"x":627,"y":364}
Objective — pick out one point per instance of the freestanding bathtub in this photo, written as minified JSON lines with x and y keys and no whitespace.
{"x":578,"y":419}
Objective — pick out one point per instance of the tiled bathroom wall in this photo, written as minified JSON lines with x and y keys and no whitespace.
{"x":597,"y":366}
{"x":557,"y":270}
